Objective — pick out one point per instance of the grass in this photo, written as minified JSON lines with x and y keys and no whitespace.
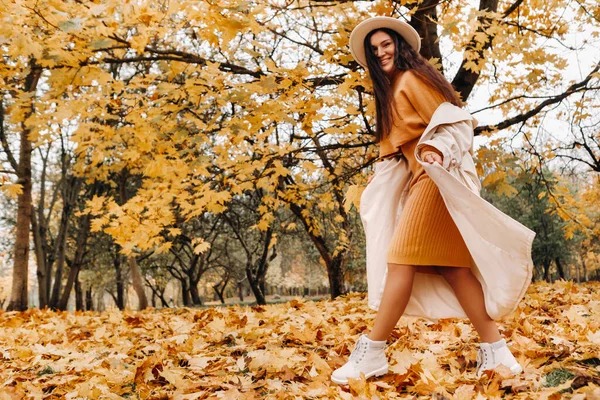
{"x":558,"y":377}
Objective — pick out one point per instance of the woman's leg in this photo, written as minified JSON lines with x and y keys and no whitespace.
{"x":470,"y":295}
{"x":398,"y":287}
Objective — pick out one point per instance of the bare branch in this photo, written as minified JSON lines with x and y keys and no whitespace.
{"x":576,"y":87}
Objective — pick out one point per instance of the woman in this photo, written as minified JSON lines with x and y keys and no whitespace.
{"x":426,"y":245}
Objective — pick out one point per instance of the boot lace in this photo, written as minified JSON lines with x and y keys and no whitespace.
{"x":359,"y":351}
{"x":483,"y":361}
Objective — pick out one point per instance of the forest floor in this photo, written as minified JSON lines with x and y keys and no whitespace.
{"x":288,"y":350}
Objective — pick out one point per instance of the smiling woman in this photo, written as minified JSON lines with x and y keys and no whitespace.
{"x":423,"y":240}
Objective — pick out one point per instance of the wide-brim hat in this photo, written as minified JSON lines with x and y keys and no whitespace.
{"x":357,"y":37}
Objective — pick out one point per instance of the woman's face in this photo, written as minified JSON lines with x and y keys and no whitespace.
{"x":383,"y":48}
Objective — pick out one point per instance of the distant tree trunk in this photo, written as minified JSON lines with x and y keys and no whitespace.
{"x":89,"y":303}
{"x":585,"y":271}
{"x":240,"y":288}
{"x":40,"y":257}
{"x":138,"y":284}
{"x":547,"y":274}
{"x":120,"y":284}
{"x":196,"y":299}
{"x":39,"y":228}
{"x":70,"y":191}
{"x":158,"y":292}
{"x":219,"y":294}
{"x":561,"y":271}
{"x":161,"y":296}
{"x":136,"y":275}
{"x":75,"y":265}
{"x":79,"y":305}
{"x":185,"y":293}
{"x":256,"y":272}
{"x":254,"y":285}
{"x":220,"y":287}
{"x":18,"y":296}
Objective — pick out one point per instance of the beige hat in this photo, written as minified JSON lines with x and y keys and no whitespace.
{"x":357,"y":37}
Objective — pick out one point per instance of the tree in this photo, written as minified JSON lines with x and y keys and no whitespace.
{"x":198,"y":102}
{"x":256,"y":240}
{"x":25,"y":102}
{"x":530,"y":206}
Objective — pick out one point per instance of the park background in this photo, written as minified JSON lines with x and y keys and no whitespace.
{"x":172,"y":153}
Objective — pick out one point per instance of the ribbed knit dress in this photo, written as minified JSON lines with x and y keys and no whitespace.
{"x":426,"y":236}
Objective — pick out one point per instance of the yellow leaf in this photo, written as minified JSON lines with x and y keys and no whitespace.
{"x":13,"y":190}
{"x":353,"y":197}
{"x":201,"y":248}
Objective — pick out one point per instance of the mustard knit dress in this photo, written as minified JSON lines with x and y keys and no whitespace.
{"x":426,"y":236}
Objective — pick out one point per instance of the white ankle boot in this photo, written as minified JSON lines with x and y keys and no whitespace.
{"x":491,"y":355}
{"x":367,"y":357}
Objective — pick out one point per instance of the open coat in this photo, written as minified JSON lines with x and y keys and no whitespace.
{"x":500,"y":247}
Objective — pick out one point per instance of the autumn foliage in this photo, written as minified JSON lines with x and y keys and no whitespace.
{"x":278,"y":351}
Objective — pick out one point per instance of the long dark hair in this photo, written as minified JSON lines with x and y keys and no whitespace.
{"x":405,"y":58}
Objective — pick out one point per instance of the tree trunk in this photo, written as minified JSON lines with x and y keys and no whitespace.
{"x":196,"y":299}
{"x":38,"y":225}
{"x":158,"y":292}
{"x":19,"y":290}
{"x":334,"y":264}
{"x":240,"y":290}
{"x":79,"y":306}
{"x":69,"y":195}
{"x":424,"y":21}
{"x":89,"y":303}
{"x":561,"y":269}
{"x":465,"y":79}
{"x":221,"y":286}
{"x":40,"y":257}
{"x":138,"y":284}
{"x":254,"y":285}
{"x":60,"y":243}
{"x":120,"y":297}
{"x":547,"y":275}
{"x":219,"y":293}
{"x":185,"y":292}
{"x":75,"y":266}
{"x":161,"y":296}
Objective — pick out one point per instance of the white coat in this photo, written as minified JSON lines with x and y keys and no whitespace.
{"x":500,"y":247}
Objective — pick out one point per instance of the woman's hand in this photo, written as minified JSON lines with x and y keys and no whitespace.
{"x":431,"y":157}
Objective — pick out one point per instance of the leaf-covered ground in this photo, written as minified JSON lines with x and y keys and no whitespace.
{"x":288,"y":351}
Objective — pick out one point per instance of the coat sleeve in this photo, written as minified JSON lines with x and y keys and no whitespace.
{"x":454,"y":141}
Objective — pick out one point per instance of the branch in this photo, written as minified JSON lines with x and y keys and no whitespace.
{"x":512,"y":8}
{"x":576,"y":87}
{"x":9,"y":154}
